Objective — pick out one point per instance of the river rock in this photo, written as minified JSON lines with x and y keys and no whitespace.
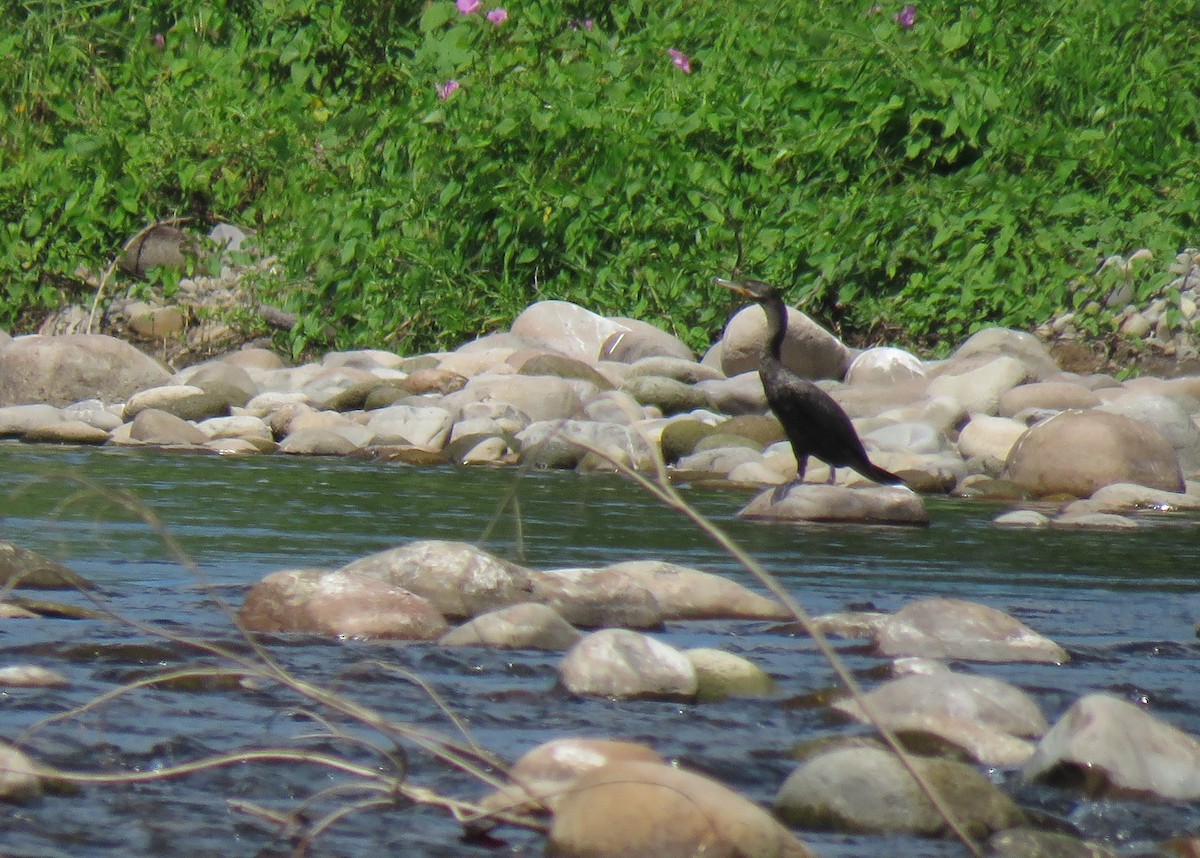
{"x":540,"y":397}
{"x":528,"y":625}
{"x":1114,"y":748}
{"x":1047,"y":396}
{"x":20,"y":779}
{"x":16,"y":421}
{"x":599,"y":598}
{"x":1172,"y":421}
{"x":1128,"y":497}
{"x":642,"y":340}
{"x":968,"y":631}
{"x":1031,"y":843}
{"x":979,"y":388}
{"x":182,"y":400}
{"x":1022,"y":518}
{"x":317,"y":442}
{"x":620,"y":663}
{"x":565,"y":328}
{"x":341,"y":603}
{"x":458,"y":578}
{"x":885,"y":366}
{"x":92,"y":412}
{"x":244,"y":426}
{"x":542,"y":775}
{"x":851,"y":624}
{"x":808,"y":349}
{"x":567,"y":443}
{"x":161,"y":429}
{"x":824,"y":503}
{"x":718,"y":461}
{"x":60,"y":370}
{"x":31,"y":676}
{"x":1077,"y":452}
{"x":425,"y":427}
{"x":867,"y":789}
{"x":686,"y":371}
{"x":221,"y":380}
{"x":20,"y":567}
{"x":67,"y":432}
{"x":253,"y":360}
{"x":990,"y":438}
{"x":433,"y":380}
{"x":615,"y":406}
{"x":742,"y":394}
{"x":689,"y":594}
{"x":721,"y":675}
{"x":634,"y":808}
{"x":986,"y":718}
{"x":666,"y":394}
{"x":1021,"y":345}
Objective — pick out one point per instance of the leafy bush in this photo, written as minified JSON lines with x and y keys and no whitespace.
{"x":935,"y":177}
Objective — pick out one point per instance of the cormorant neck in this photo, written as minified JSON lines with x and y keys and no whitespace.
{"x":776,"y":326}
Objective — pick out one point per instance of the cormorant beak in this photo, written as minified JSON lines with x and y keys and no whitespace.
{"x":733,"y":286}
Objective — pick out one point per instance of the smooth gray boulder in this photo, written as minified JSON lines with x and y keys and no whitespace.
{"x":61,"y":370}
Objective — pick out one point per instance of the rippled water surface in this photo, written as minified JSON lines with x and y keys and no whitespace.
{"x":1124,"y":604}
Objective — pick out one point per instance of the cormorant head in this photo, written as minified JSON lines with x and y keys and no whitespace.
{"x":755,"y":290}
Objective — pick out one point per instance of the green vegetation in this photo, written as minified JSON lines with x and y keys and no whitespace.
{"x":922,"y":179}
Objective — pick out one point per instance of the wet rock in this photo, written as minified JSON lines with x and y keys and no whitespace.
{"x":566,"y":443}
{"x":60,"y":370}
{"x":719,"y":461}
{"x":721,"y":675}
{"x":342,"y":603}
{"x":808,"y":349}
{"x":978,"y":388}
{"x":458,"y":578}
{"x":20,"y":779}
{"x":627,"y":809}
{"x":31,"y":676}
{"x":161,"y":429}
{"x":182,"y":400}
{"x":686,"y":371}
{"x":1022,"y":518}
{"x":689,"y":594}
{"x":623,"y":664}
{"x":598,"y":598}
{"x":868,"y":790}
{"x":525,"y":626}
{"x":679,"y":437}
{"x":317,"y":442}
{"x":987,"y":719}
{"x":1170,"y":419}
{"x":19,"y":420}
{"x":1048,"y":395}
{"x":67,"y":432}
{"x":246,"y":427}
{"x":958,"y":629}
{"x":542,"y":775}
{"x":823,"y":503}
{"x":1030,"y":843}
{"x":1078,"y":452}
{"x":20,"y":567}
{"x":1127,"y":497}
{"x":1111,"y":747}
{"x":851,"y":624}
{"x":1093,"y":521}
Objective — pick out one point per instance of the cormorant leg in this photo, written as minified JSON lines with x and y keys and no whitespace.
{"x":832,"y":476}
{"x":780,"y":492}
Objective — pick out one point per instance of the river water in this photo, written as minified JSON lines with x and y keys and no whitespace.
{"x":1124,"y":604}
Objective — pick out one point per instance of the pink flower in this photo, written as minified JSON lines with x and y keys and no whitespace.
{"x":447,"y":88}
{"x":875,"y":10}
{"x":468,"y":7}
{"x":906,"y":17}
{"x":681,"y":60}
{"x":497,"y":16}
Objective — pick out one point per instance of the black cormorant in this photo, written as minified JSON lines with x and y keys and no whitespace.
{"x":814,"y":423}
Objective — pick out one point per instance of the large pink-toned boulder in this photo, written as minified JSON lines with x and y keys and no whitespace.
{"x":70,"y":368}
{"x":566,"y":328}
{"x":808,"y":349}
{"x":345,"y":604}
{"x":1077,"y":452}
{"x":649,"y":810}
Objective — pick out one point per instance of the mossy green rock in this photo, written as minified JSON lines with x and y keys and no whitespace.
{"x":680,"y":437}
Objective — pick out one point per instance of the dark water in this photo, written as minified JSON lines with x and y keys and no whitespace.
{"x":1124,"y":604}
